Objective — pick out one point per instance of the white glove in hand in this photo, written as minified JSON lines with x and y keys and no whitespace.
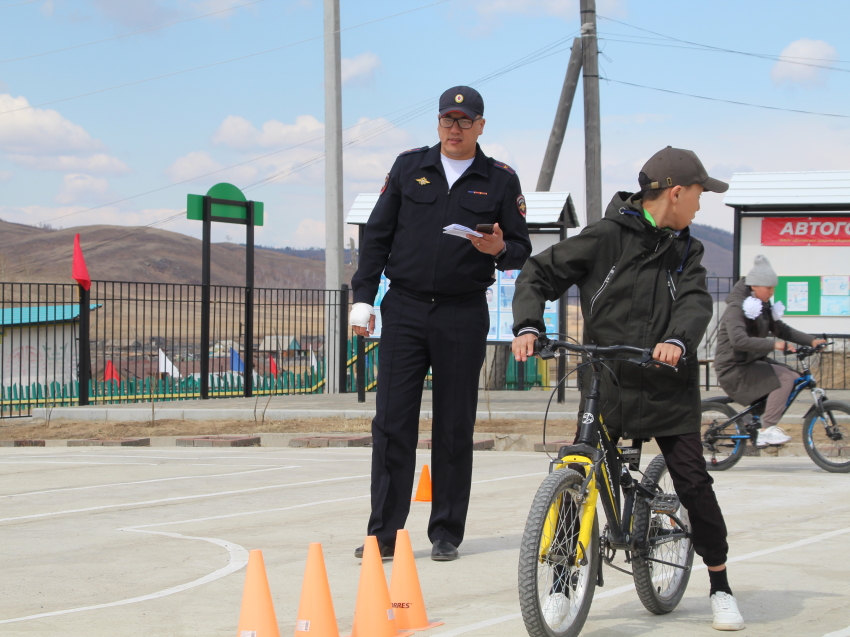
{"x":777,"y":310}
{"x":360,"y":314}
{"x":752,"y":308}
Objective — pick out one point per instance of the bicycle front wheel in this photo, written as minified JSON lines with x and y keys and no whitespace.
{"x":827,"y":440}
{"x":660,"y":585}
{"x":556,"y":582}
{"x":720,"y":450}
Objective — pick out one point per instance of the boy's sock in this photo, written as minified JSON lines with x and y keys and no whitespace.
{"x":719,"y":582}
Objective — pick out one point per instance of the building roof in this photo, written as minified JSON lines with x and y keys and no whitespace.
{"x":542,"y":208}
{"x":788,"y":189}
{"x":41,"y":314}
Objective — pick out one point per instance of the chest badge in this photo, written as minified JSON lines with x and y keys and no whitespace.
{"x":422,"y":181}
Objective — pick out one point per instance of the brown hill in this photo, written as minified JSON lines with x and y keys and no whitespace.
{"x":117,"y":253}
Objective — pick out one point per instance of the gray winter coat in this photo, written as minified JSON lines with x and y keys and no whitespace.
{"x":639,"y":286}
{"x":743,"y":346}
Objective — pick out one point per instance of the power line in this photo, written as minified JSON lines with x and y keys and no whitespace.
{"x":126,"y":35}
{"x":775,"y":58}
{"x":717,"y":99}
{"x":212,"y":64}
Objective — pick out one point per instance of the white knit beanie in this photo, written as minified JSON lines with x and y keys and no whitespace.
{"x":762,"y":274}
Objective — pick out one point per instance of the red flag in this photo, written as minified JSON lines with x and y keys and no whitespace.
{"x":79,"y":271}
{"x":109,"y":373}
{"x":273,"y":365}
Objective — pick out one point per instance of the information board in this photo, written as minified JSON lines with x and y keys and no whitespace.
{"x":500,"y":297}
{"x":814,"y":295}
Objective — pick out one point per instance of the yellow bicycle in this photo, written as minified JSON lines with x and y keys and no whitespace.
{"x":562,"y":551}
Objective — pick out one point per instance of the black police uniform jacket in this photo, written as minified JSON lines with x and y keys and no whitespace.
{"x":404,"y":235}
{"x":638,"y":286}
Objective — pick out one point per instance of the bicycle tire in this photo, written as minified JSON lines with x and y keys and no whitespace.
{"x":720,"y":455}
{"x":660,"y":587}
{"x":539,"y":575}
{"x":830,"y":454}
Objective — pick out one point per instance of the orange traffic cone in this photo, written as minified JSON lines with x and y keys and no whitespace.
{"x":405,"y":591}
{"x":373,"y":614}
{"x":257,"y":616}
{"x":316,"y":616}
{"x":423,"y":491}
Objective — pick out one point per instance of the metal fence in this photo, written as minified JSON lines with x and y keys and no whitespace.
{"x":140,"y":342}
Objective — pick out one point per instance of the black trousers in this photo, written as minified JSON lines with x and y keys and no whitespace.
{"x":686,"y":464}
{"x":449,"y":336}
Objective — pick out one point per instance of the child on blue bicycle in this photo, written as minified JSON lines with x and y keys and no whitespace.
{"x":751,"y":328}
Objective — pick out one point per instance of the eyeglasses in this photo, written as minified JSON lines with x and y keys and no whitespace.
{"x":464,"y":122}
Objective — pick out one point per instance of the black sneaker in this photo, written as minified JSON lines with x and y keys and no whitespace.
{"x":387,"y":552}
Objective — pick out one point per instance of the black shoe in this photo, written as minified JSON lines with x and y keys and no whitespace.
{"x":443,"y":551}
{"x":387,"y":552}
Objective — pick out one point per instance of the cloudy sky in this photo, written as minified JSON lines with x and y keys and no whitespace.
{"x":111,"y":111}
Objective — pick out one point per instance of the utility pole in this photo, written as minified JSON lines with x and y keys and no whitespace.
{"x":592,"y":134}
{"x":334,"y":268}
{"x":562,"y":116}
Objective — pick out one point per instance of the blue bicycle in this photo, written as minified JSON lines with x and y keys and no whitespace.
{"x":826,"y":426}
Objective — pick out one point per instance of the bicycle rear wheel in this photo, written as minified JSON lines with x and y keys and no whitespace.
{"x":660,"y":586}
{"x":555,"y":592}
{"x":827,"y":440}
{"x":721,"y":452}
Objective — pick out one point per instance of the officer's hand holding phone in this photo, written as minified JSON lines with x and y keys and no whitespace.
{"x":491,"y":244}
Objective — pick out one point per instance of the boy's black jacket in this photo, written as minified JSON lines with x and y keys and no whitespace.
{"x":639,"y":286}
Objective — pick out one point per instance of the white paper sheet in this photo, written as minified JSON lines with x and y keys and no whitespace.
{"x":458,"y":230}
{"x":798,"y":296}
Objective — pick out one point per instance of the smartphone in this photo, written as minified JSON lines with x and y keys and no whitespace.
{"x":484,"y":228}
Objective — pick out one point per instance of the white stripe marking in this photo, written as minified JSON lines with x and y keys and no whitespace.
{"x":178,"y":499}
{"x":120,"y":484}
{"x":106,"y":464}
{"x":238,"y":559}
{"x":629,"y":587}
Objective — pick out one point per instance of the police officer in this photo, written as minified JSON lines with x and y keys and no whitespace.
{"x":435,"y":313}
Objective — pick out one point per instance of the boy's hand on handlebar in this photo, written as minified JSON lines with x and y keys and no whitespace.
{"x":783,"y":346}
{"x":523,"y":346}
{"x":667,"y":353}
{"x":818,"y":341}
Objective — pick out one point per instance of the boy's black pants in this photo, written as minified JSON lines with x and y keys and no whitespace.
{"x":686,"y":464}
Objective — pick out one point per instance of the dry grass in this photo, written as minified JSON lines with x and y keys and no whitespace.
{"x":65,"y":429}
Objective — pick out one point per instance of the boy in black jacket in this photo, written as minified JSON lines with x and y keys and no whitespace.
{"x":641,"y":283}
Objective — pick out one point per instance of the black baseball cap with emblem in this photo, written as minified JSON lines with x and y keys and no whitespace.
{"x":462,"y":99}
{"x":677,"y":167}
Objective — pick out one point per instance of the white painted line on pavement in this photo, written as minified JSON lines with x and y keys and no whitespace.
{"x":120,"y":484}
{"x":629,"y":587}
{"x":178,"y":499}
{"x":151,"y":464}
{"x":289,"y":508}
{"x":238,"y":559}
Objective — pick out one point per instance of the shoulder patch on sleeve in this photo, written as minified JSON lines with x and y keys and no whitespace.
{"x":505,"y":167}
{"x":422,"y":149}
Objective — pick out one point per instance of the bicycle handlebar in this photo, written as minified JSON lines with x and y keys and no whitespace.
{"x":547,"y":349}
{"x":804,"y":351}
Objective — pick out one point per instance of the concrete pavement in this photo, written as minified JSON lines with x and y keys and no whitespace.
{"x":120,"y":542}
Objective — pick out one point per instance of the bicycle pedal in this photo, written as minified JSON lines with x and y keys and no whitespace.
{"x":665,"y":503}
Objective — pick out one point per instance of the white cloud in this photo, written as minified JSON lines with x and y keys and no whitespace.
{"x":237,"y":132}
{"x":566,"y":9}
{"x":34,"y":131}
{"x":82,"y":188}
{"x":5,"y":175}
{"x":311,"y":233}
{"x":197,"y":164}
{"x":498,"y":152}
{"x":133,"y":13}
{"x":97,"y":163}
{"x":360,"y":69}
{"x":804,"y":57}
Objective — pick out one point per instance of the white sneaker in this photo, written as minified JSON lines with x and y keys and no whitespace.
{"x":772,"y":436}
{"x":726,"y":613}
{"x":555,"y":609}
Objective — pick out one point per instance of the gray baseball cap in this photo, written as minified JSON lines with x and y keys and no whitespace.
{"x":677,"y":167}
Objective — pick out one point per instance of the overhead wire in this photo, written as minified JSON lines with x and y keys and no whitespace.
{"x":219,"y":63}
{"x":127,"y":35}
